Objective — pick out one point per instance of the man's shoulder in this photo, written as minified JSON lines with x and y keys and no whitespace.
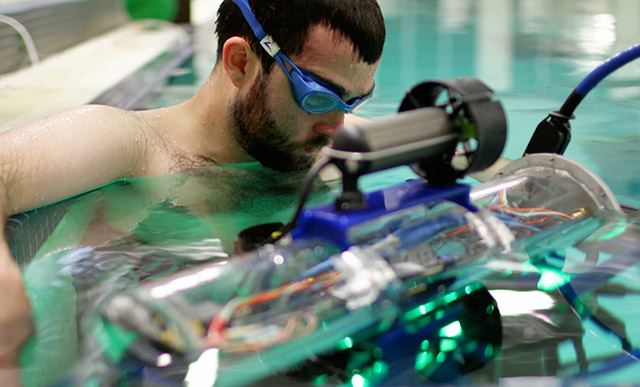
{"x":103,"y":118}
{"x":93,"y":112}
{"x":85,"y":116}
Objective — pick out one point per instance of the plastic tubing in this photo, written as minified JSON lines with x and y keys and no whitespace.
{"x":24,"y":34}
{"x":597,"y":75}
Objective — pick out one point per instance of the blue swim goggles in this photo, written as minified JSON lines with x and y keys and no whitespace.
{"x":313,"y":94}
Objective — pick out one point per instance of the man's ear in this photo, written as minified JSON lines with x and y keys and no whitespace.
{"x":240,"y":62}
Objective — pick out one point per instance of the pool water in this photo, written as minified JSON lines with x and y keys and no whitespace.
{"x":532,"y":53}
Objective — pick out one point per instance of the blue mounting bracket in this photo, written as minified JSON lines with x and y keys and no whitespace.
{"x":328,"y":223}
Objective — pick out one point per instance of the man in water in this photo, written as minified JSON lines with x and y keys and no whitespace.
{"x":276,"y":99}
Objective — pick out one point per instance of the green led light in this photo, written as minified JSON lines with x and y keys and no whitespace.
{"x":380,"y":367}
{"x":448,"y":345}
{"x":412,"y":314}
{"x":452,"y":330}
{"x":359,"y":381}
{"x":423,"y":359}
{"x":345,"y":343}
{"x":424,"y":345}
{"x":488,"y":352}
{"x":490,"y":309}
{"x":450,"y":297}
{"x":441,"y":357}
{"x":420,"y":310}
{"x":471,"y":288}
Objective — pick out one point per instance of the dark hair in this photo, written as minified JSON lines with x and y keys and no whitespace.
{"x":288,"y":22}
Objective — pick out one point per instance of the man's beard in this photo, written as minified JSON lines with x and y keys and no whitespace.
{"x":255,"y":129}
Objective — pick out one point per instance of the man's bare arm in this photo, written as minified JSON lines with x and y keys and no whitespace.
{"x":43,"y":162}
{"x":67,"y":153}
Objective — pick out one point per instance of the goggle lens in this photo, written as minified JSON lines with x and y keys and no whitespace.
{"x":318,"y":103}
{"x":312,"y":94}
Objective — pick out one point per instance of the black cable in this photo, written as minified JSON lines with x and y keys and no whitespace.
{"x":310,"y":177}
{"x":552,"y":135}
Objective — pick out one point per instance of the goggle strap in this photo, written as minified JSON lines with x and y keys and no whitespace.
{"x":245,"y":8}
{"x":269,"y":45}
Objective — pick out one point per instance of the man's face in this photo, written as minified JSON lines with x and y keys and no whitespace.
{"x":270,"y":125}
{"x":272,"y":143}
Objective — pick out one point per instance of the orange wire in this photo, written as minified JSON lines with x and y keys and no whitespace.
{"x":217,"y":325}
{"x":458,"y":231}
{"x":537,"y":220}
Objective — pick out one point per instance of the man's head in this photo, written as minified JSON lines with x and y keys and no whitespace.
{"x":337,"y":42}
{"x":289,"y":21}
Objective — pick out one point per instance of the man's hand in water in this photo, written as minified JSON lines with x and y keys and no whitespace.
{"x":16,"y":324}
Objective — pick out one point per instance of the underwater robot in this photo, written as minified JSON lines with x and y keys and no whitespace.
{"x":392,"y":286}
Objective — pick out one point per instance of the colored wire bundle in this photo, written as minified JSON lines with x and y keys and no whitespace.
{"x":529,"y":219}
{"x":248,"y":337}
{"x":526,"y":218}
